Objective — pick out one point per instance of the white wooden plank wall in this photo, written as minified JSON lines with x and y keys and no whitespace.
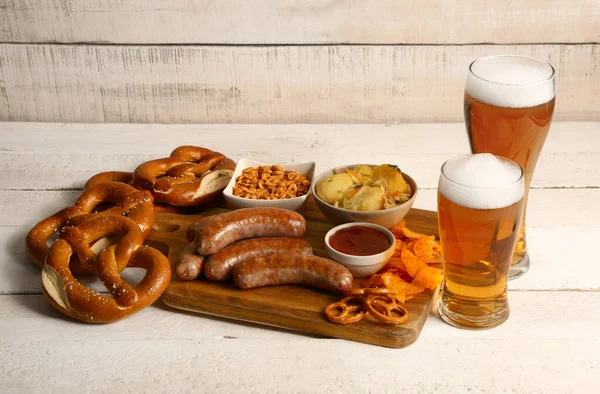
{"x":259,"y":61}
{"x":300,"y":22}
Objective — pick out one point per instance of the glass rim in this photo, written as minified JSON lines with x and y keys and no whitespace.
{"x":550,"y":78}
{"x":520,"y":179}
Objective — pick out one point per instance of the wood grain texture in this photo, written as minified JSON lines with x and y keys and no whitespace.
{"x":555,"y":236}
{"x":305,"y":22}
{"x":156,"y":351}
{"x":57,"y":156}
{"x":293,"y":307}
{"x":27,"y":207}
{"x":283,"y":84}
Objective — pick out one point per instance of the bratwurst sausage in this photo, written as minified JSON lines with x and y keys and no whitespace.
{"x":190,"y":233}
{"x":189,"y":264}
{"x":227,"y":228}
{"x":283,"y":269}
{"x":219,"y":266}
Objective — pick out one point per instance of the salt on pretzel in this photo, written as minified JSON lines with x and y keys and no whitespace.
{"x":67,"y":295}
{"x":127,"y":201}
{"x":192,"y":176}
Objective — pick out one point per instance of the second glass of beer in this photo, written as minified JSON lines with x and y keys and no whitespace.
{"x":509,"y":102}
{"x":480,"y":207}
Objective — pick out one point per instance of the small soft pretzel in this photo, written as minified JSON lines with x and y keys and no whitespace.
{"x":192,"y":176}
{"x":128,"y":201}
{"x":66,"y":294}
{"x":348,"y":310}
{"x":386,"y":308}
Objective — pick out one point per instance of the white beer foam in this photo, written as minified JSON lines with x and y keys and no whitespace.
{"x":481,"y":181}
{"x":510,"y":81}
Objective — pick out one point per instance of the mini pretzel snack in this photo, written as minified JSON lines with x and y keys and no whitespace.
{"x":348,"y":310}
{"x":386,"y":308}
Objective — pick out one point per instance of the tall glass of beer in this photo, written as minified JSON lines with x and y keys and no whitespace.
{"x":509,"y":102}
{"x":480,"y":207}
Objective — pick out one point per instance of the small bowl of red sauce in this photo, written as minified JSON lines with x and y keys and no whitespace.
{"x":363,"y":248}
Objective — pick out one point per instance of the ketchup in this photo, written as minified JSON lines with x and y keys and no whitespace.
{"x":359,"y":241}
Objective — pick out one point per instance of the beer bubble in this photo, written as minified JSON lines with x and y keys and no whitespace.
{"x":482,"y":181}
{"x":510,"y":81}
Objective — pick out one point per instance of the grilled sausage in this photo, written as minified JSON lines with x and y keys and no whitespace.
{"x":189,"y":265}
{"x":198,"y":225}
{"x":219,"y":266}
{"x":227,"y":228}
{"x":280,"y":269}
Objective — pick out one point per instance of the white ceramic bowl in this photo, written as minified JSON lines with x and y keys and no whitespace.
{"x":385,"y":217}
{"x":361,"y":266}
{"x":292,"y":204}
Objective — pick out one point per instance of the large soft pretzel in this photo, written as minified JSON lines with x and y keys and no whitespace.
{"x":108,"y":176}
{"x":66,"y":294}
{"x":127,"y":177}
{"x":192,"y":176}
{"x":126,"y":201}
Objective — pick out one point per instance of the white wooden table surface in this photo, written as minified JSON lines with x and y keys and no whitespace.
{"x":550,"y":344}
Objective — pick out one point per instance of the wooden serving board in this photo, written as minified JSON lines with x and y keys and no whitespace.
{"x":293,"y":307}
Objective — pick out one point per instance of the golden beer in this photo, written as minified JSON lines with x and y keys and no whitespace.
{"x":479,"y":215}
{"x":508,"y":108}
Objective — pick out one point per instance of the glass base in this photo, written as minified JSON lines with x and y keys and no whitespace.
{"x":472,"y":322}
{"x":519,"y":269}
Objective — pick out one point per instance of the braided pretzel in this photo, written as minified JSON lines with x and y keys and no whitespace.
{"x":129,"y":201}
{"x":192,"y":176}
{"x":386,"y":308}
{"x":348,"y":310}
{"x":67,"y":295}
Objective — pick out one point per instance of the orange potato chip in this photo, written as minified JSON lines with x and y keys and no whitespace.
{"x":398,"y":247}
{"x":412,"y":263}
{"x":408,"y":233}
{"x":398,"y":286}
{"x":424,"y":246}
{"x":428,"y":277}
{"x":407,"y":273}
{"x":411,"y":244}
{"x":372,"y":281}
{"x":399,"y":271}
{"x":398,"y":228}
{"x":395,"y":263}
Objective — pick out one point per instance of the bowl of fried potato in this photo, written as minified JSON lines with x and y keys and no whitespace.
{"x":379,"y":194}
